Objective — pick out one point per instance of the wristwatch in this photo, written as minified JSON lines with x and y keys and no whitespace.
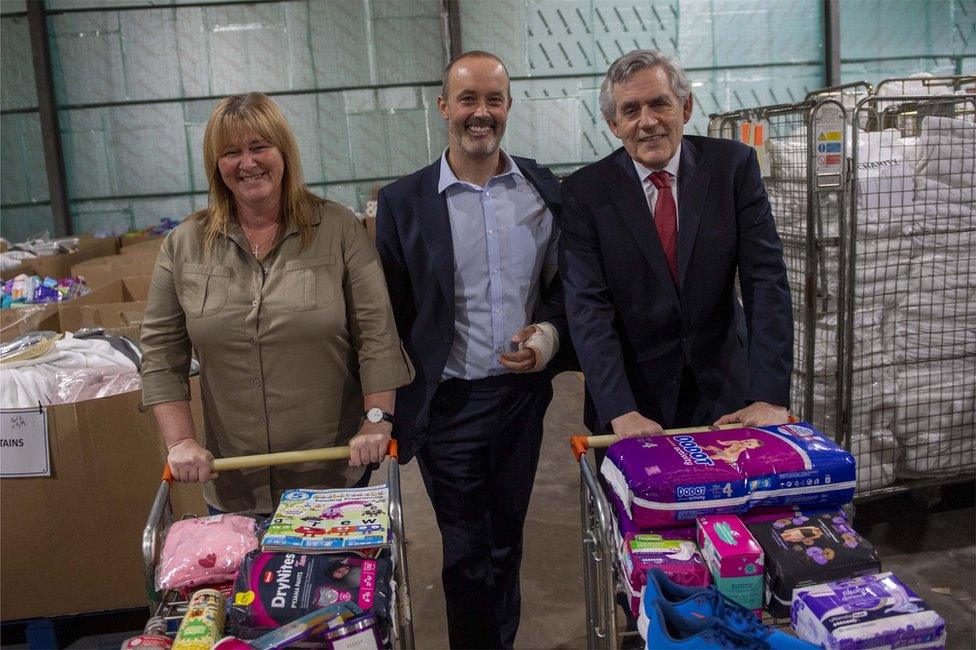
{"x":377,"y":415}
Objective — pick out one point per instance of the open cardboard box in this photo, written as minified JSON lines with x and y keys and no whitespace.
{"x":102,"y":270}
{"x":71,"y":542}
{"x":118,"y":303}
{"x":143,"y":247}
{"x":59,"y":266}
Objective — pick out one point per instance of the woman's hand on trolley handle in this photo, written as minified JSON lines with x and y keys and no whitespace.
{"x":634,"y":425}
{"x":190,"y":462}
{"x":370,"y":444}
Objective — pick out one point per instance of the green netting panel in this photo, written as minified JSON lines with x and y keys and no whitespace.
{"x":23,"y":178}
{"x":19,"y":90}
{"x":895,"y":38}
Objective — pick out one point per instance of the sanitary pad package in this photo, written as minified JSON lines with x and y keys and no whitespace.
{"x":734,"y":558}
{"x":679,"y":559}
{"x":876,"y":611}
{"x":807,"y":550}
{"x":669,"y":480}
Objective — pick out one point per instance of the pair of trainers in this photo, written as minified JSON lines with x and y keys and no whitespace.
{"x":700,"y":618}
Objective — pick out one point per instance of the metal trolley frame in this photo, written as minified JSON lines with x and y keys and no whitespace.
{"x":923,"y":346}
{"x":809,"y":200}
{"x":602,"y":573}
{"x":170,"y":605}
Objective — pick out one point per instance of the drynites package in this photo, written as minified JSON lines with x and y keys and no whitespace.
{"x":876,"y":611}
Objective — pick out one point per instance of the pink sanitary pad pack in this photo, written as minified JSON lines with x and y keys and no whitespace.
{"x":205,"y":550}
{"x":733,"y":557}
{"x":667,"y":481}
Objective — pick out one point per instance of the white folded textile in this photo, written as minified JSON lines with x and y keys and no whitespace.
{"x":947,"y":160}
{"x":871,"y":329}
{"x":943,"y":196}
{"x":933,"y":212}
{"x":953,"y":128}
{"x":788,"y":156}
{"x":885,"y":169}
{"x":72,"y":370}
{"x":943,"y":262}
{"x":936,"y":416}
{"x":877,"y":454}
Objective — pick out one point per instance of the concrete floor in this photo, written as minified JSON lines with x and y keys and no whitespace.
{"x":932,"y":550}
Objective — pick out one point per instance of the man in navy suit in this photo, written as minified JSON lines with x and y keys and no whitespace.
{"x":468,"y":246}
{"x":652,"y":239}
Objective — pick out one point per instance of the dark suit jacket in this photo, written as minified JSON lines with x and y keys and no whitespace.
{"x":634,"y":332}
{"x":413,"y":237}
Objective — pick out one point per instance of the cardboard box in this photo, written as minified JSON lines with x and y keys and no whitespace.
{"x":108,"y":315}
{"x":136,"y":238}
{"x":102,"y":270}
{"x":71,"y":542}
{"x":127,"y":289}
{"x":19,"y":320}
{"x":143,"y":247}
{"x":59,"y":266}
{"x":120,"y":302}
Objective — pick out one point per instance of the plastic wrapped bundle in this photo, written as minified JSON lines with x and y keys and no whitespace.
{"x":947,"y":151}
{"x":935,"y":325}
{"x":205,"y":550}
{"x":885,"y":169}
{"x":876,"y":611}
{"x":936,"y":421}
{"x":667,"y":481}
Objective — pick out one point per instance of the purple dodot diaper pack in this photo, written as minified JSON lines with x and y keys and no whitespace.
{"x":668,"y":481}
{"x":875,"y":611}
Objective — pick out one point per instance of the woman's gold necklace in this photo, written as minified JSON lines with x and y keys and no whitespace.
{"x":257,"y":247}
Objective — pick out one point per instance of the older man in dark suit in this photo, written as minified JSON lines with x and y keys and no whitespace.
{"x":653,"y":237}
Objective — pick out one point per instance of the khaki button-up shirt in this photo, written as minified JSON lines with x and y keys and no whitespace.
{"x":287,"y":347}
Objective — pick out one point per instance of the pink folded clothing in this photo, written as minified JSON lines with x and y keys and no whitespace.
{"x":205,"y":550}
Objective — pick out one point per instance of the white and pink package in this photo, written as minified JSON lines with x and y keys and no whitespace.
{"x":205,"y":550}
{"x":667,"y":481}
{"x":679,"y":559}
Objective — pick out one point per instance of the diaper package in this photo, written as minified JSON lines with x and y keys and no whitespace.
{"x":875,"y":611}
{"x":679,"y":559}
{"x":806,"y":550}
{"x":667,"y":481}
{"x":734,"y":559}
{"x":276,"y":588}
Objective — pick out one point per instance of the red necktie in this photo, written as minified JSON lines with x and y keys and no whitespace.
{"x":666,"y":220}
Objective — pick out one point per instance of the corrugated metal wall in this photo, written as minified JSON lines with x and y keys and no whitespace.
{"x":135,"y":82}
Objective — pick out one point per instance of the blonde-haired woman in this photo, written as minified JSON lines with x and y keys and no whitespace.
{"x":281,"y":295}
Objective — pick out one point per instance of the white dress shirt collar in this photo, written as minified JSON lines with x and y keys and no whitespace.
{"x":672,"y":167}
{"x":447,"y":177}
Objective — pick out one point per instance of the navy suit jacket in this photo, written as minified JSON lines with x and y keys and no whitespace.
{"x":633,"y":330}
{"x":413,"y":237}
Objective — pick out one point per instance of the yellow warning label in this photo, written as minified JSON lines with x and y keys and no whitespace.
{"x":822,"y":137}
{"x":833,"y":135}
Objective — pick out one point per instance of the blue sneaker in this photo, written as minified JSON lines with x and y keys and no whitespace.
{"x":704,"y":603}
{"x":663,"y":627}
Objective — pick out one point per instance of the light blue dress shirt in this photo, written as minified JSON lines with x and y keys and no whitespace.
{"x":504,"y":241}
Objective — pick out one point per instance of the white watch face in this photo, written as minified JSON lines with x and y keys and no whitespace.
{"x":374,"y":415}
